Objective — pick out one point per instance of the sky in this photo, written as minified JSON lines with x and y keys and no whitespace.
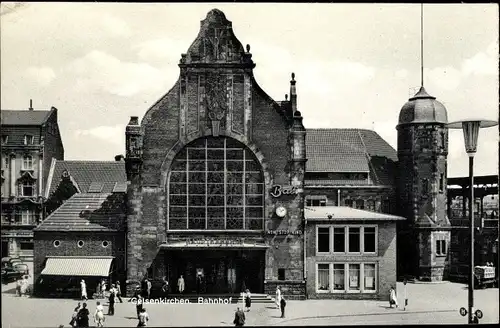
{"x":356,"y":65}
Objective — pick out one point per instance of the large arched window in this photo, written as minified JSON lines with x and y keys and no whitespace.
{"x":216,"y":183}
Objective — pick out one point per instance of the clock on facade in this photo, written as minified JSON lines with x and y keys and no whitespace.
{"x":281,"y":211}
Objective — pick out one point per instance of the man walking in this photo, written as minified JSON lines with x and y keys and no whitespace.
{"x":119,"y":292}
{"x":148,"y":286}
{"x":239,"y":318}
{"x":111,"y":308}
{"x":283,"y":304}
{"x":180,"y":284}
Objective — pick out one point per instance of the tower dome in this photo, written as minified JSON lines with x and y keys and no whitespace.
{"x":423,"y":108}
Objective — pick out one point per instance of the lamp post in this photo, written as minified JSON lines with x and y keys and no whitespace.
{"x":471,"y":132}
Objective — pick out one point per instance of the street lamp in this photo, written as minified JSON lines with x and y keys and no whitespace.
{"x":471,"y":132}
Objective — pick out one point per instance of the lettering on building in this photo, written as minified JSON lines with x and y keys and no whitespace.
{"x":279,"y":190}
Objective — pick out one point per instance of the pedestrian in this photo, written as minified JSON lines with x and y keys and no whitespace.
{"x":83,"y":287}
{"x":164,"y":288}
{"x":393,"y":300}
{"x":277,"y":300}
{"x":248,"y":300}
{"x":143,"y":318}
{"x":139,"y":304}
{"x":73,"y":322}
{"x":239,"y":318}
{"x":406,"y":295}
{"x":180,"y":284}
{"x":82,"y":319}
{"x":283,"y":304}
{"x":149,"y":286}
{"x":119,"y":292}
{"x":19,"y":283}
{"x":24,"y":286}
{"x":99,"y":315}
{"x":144,"y":288}
{"x":198,"y":283}
{"x":103,"y":288}
{"x":111,"y":301}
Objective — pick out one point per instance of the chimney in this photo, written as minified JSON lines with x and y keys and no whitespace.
{"x":119,"y":158}
{"x":293,"y":94}
{"x":31,"y":104}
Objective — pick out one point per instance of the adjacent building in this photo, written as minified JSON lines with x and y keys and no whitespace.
{"x":30,"y":140}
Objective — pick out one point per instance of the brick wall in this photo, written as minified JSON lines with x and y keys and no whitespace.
{"x":385,"y":260}
{"x":44,"y":246}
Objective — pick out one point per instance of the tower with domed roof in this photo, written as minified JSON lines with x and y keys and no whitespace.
{"x":424,"y":239}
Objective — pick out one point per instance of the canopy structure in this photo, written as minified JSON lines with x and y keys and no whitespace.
{"x":343,"y":213}
{"x":87,"y":266}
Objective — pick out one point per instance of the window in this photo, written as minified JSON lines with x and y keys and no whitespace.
{"x":323,"y":239}
{"x":441,"y":182}
{"x":443,"y":140}
{"x":369,"y":277}
{"x":28,"y":139}
{"x":441,"y":247}
{"x":27,"y":217}
{"x":338,"y":239}
{"x":27,"y":189}
{"x":6,"y":162}
{"x":360,"y":204}
{"x":216,"y":183}
{"x":354,"y":240}
{"x":323,"y":277}
{"x":281,"y":274}
{"x":425,"y":187}
{"x":316,"y":200}
{"x":80,"y":243}
{"x":105,"y":244}
{"x":5,"y":139}
{"x":57,"y":243}
{"x":370,"y":205}
{"x":348,"y":202}
{"x":354,"y":273}
{"x":338,"y":277}
{"x":28,"y":162}
{"x":369,"y":239}
{"x":27,"y":245}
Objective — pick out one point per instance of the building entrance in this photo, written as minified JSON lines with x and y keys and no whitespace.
{"x":216,"y":271}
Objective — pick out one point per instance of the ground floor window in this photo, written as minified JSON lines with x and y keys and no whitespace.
{"x":346,"y":277}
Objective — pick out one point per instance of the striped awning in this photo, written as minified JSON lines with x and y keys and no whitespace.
{"x":78,"y":266}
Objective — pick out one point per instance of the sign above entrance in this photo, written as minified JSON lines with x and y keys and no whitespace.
{"x":214,"y":243}
{"x":279,"y":190}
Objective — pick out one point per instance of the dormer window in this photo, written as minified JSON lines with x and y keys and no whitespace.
{"x":27,"y":189}
{"x":5,"y":139}
{"x":27,"y":162}
{"x":28,"y":139}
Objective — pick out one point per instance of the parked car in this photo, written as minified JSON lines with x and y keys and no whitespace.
{"x":22,"y":268}
{"x":10,"y":261}
{"x":484,"y":276}
{"x":10,"y":274}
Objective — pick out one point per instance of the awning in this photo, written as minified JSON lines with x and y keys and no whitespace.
{"x":189,"y":245}
{"x":78,"y":266}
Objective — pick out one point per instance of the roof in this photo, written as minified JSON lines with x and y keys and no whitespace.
{"x":88,"y":212}
{"x":24,"y":117}
{"x":423,"y":108}
{"x":89,"y":266}
{"x":478,"y":180}
{"x":87,"y":174}
{"x":343,"y":213}
{"x":350,"y":151}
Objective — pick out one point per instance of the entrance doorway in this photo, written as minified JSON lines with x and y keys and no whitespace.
{"x":216,"y":271}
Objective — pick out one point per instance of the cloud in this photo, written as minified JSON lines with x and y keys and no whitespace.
{"x":42,"y":75}
{"x":447,"y":78}
{"x":115,"y":26}
{"x":163,"y":50}
{"x":113,"y":134}
{"x":483,"y":63}
{"x":103,"y":71}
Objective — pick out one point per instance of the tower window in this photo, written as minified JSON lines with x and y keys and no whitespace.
{"x":441,"y":182}
{"x":28,"y":139}
{"x":27,"y":189}
{"x":281,"y":274}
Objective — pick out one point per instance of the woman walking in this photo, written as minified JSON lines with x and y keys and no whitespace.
{"x":83,"y":287}
{"x":393,"y":300}
{"x":99,"y":315}
{"x":248,"y":300}
{"x":278,"y":297}
{"x":73,"y":322}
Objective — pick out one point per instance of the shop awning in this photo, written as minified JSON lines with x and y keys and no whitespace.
{"x":77,"y":266}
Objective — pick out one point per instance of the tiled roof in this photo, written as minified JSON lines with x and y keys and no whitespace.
{"x":343,"y":213}
{"x":24,"y":117}
{"x":350,"y":150}
{"x":86,"y":173}
{"x":88,"y":212}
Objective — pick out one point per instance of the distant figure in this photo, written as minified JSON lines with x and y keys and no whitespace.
{"x":139,"y":304}
{"x":283,"y":305}
{"x":83,"y":287}
{"x":239,"y":318}
{"x":180,"y":284}
{"x":248,"y":300}
{"x":73,"y":322}
{"x":278,"y":297}
{"x":82,"y":319}
{"x":164,"y":288}
{"x":103,"y":286}
{"x":119,"y":292}
{"x":19,"y":284}
{"x":111,"y":300}
{"x":99,"y":315}
{"x":393,"y":300}
{"x":24,"y":286}
{"x":143,"y":318}
{"x":148,"y":287}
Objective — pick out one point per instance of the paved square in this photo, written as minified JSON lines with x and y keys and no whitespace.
{"x":428,"y":304}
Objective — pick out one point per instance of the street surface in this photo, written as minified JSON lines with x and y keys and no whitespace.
{"x":428,"y":304}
